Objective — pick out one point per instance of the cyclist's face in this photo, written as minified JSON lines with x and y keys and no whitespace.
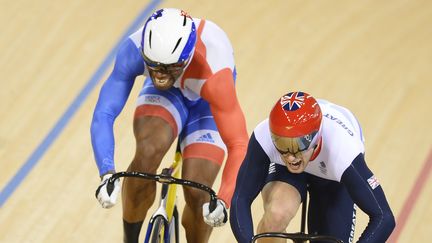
{"x":295,"y":158}
{"x":162,"y":75}
{"x":164,"y":78}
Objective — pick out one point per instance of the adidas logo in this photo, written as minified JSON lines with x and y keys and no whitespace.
{"x":272,"y":168}
{"x":206,"y":138}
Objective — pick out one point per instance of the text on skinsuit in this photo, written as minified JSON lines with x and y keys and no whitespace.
{"x":338,"y":121}
{"x":351,"y":238}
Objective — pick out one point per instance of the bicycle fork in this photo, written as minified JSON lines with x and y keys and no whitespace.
{"x":170,"y":225}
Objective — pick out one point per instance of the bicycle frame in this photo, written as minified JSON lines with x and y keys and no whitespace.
{"x":167,"y":203}
{"x":172,"y":189}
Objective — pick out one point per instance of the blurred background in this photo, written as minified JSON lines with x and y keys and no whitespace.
{"x":373,"y":57}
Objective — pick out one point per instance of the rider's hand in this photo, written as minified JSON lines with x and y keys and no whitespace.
{"x":107,"y":195}
{"x":217,"y":217}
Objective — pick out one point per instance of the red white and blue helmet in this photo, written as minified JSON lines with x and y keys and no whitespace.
{"x":169,"y":37}
{"x":297,"y":115}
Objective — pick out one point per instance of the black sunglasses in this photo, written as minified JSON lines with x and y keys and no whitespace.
{"x":161,"y":67}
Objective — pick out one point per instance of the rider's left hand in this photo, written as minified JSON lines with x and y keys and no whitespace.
{"x":217,"y":217}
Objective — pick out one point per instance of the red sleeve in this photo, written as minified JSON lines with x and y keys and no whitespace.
{"x":220,"y":93}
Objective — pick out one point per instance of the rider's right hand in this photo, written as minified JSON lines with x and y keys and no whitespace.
{"x":107,"y":194}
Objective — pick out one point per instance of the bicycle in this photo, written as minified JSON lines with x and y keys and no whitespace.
{"x":300,"y":237}
{"x":163,"y":225}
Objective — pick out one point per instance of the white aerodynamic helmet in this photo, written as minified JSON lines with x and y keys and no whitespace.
{"x":169,"y":37}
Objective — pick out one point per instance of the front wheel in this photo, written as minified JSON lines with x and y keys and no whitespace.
{"x":174,"y":227}
{"x":158,"y":230}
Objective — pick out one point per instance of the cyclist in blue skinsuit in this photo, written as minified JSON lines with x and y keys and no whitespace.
{"x":189,"y":94}
{"x":324,"y":141}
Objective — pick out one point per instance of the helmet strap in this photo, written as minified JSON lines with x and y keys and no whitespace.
{"x":317,"y":150}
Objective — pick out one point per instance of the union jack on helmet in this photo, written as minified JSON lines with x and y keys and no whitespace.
{"x":296,"y":115}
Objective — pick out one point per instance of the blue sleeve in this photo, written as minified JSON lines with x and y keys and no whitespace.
{"x":370,"y":200}
{"x":250,"y":180}
{"x":112,"y":98}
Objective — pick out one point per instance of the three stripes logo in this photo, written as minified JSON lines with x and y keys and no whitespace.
{"x":206,"y":138}
{"x":272,"y":168}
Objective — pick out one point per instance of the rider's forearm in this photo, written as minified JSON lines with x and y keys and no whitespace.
{"x":370,"y":199}
{"x":102,"y":137}
{"x":241,"y":220}
{"x":231,"y":124}
{"x":112,"y":98}
{"x":250,"y":180}
{"x":229,"y":174}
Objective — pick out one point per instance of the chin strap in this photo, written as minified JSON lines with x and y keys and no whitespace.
{"x":317,"y":150}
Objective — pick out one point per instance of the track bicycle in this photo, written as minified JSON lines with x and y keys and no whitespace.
{"x":163,"y":225}
{"x":300,"y":237}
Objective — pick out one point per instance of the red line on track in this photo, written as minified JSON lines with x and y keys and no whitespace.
{"x":412,"y":199}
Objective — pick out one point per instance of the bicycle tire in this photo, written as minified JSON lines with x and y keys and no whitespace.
{"x":176,"y":225}
{"x":156,"y":234}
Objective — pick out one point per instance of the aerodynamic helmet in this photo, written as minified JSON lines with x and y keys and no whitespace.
{"x":169,"y":37}
{"x":296,"y":115}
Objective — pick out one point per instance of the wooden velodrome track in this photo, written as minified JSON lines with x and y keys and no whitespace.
{"x":374,"y":57}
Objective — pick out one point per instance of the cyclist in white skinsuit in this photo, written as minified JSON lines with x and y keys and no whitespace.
{"x":316,"y":146}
